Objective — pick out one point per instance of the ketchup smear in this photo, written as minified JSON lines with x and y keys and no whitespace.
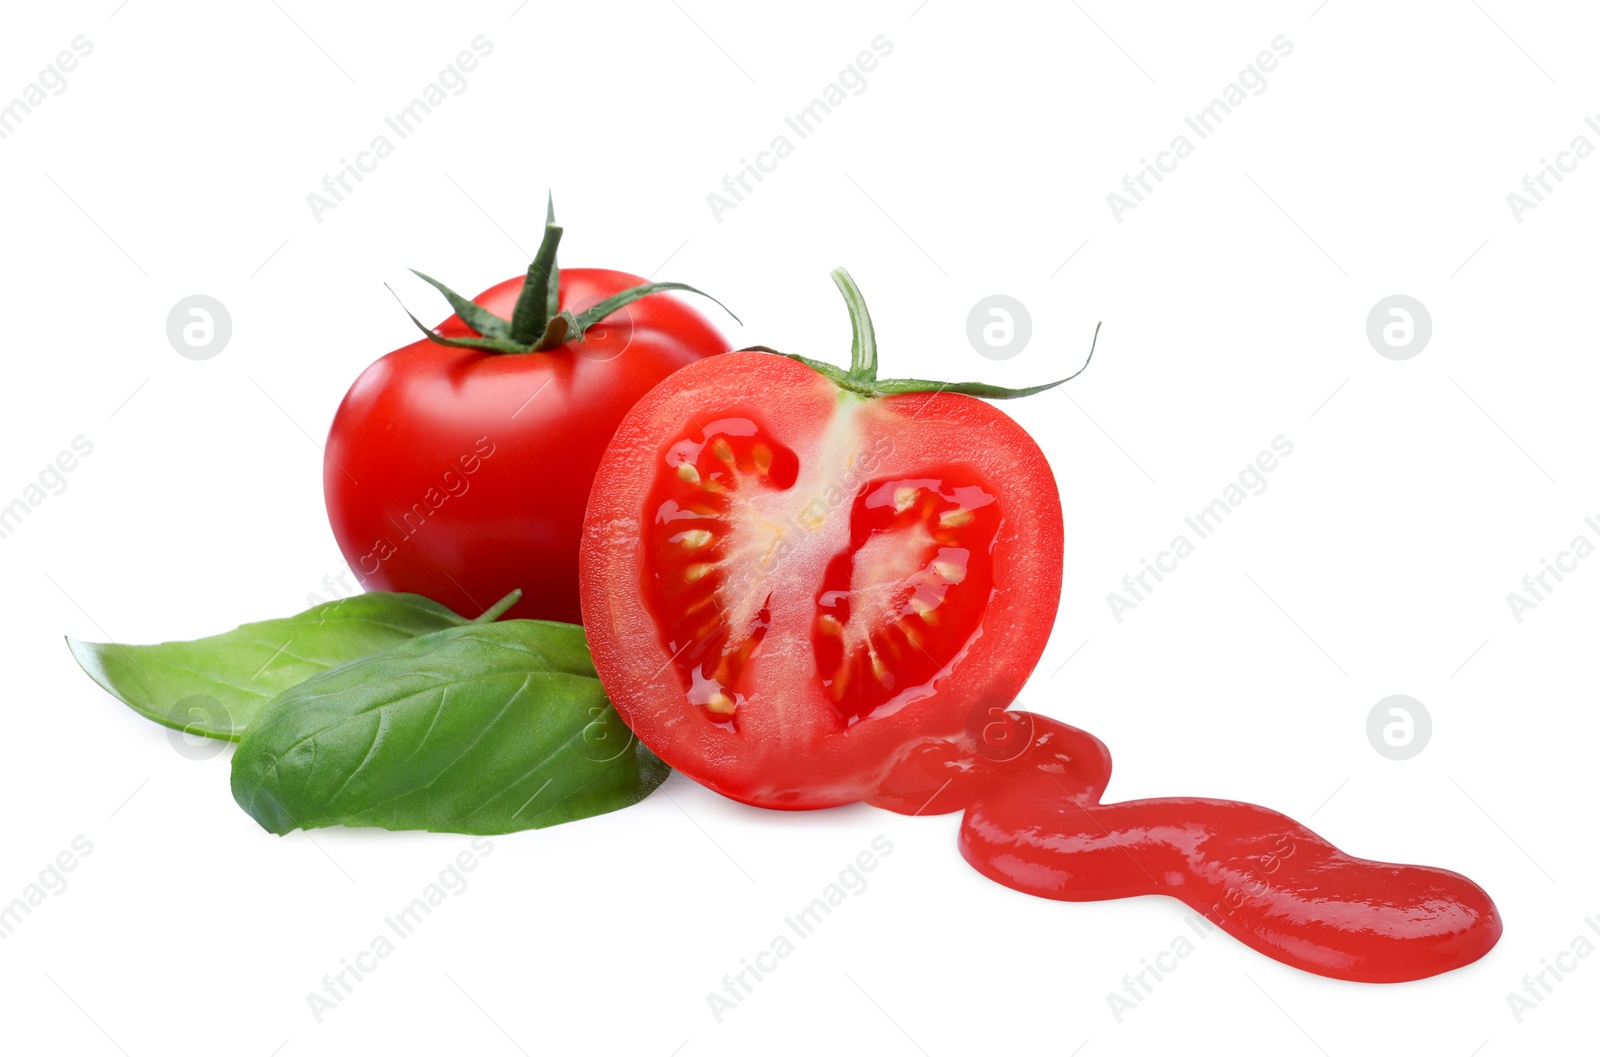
{"x":1034,"y":822}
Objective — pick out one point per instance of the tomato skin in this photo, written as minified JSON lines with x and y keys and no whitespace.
{"x":788,"y":747}
{"x":446,"y":474}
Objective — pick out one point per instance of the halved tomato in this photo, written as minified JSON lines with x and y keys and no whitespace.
{"x":792,"y":575}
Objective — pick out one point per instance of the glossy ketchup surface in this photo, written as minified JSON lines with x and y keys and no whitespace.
{"x":1034,"y":822}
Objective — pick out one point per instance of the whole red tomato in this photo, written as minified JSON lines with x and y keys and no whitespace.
{"x":458,"y":467}
{"x":793,"y":575}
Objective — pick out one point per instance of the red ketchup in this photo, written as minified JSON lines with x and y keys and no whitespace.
{"x":1034,"y":822}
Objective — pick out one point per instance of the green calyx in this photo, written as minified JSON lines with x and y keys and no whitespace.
{"x":862,"y":377}
{"x":537,"y":323}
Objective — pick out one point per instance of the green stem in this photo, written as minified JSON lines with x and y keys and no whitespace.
{"x":863,"y":342}
{"x":539,"y":292}
{"x":538,"y":323}
{"x":496,"y":611}
{"x":862,"y":377}
{"x":552,"y":302}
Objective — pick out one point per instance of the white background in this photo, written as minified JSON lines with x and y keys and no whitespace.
{"x":976,"y":161}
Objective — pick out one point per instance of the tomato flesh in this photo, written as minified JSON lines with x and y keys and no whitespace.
{"x":787,"y":586}
{"x":698,"y":534}
{"x":895,"y":606}
{"x":904,"y":600}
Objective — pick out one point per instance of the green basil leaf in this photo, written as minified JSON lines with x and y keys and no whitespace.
{"x":485,"y":729}
{"x":215,"y":686}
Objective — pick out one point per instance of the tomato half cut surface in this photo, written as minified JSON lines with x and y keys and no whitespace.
{"x":787,"y":585}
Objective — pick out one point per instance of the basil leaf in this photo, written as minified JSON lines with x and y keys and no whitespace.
{"x":485,"y":729}
{"x":215,"y":686}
